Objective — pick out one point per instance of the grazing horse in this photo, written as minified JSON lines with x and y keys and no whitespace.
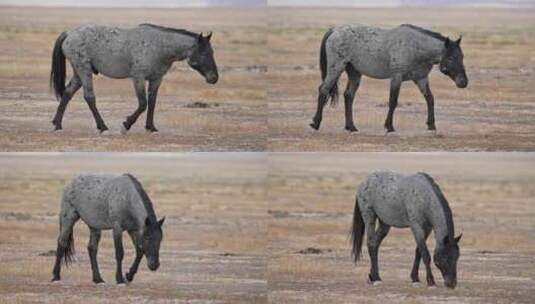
{"x":144,"y":53}
{"x":404,"y":53}
{"x":106,"y":202}
{"x":403,"y":201}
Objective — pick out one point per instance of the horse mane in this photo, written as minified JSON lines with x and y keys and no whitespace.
{"x":443,"y":203}
{"x":171,"y":30}
{"x":144,"y":197}
{"x":426,"y":32}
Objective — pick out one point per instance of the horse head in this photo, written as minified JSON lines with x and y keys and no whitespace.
{"x":451,"y":63}
{"x":445,"y":258}
{"x":152,"y":237}
{"x":202,"y":58}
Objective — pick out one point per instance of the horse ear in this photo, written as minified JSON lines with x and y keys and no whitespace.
{"x":457,"y":239}
{"x":447,"y":42}
{"x":160,"y":222}
{"x":458,"y":42}
{"x":209,"y":36}
{"x":199,"y":38}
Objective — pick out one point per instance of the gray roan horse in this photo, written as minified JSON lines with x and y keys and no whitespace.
{"x":106,"y":202}
{"x":404,"y":53}
{"x":403,"y":201}
{"x":144,"y":53}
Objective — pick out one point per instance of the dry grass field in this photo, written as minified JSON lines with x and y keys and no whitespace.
{"x":214,"y":235}
{"x":495,"y":112}
{"x":311,"y":200}
{"x":234,"y":121}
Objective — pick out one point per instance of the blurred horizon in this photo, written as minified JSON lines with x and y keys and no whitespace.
{"x":264,"y":3}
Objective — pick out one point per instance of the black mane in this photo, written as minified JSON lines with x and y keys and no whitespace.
{"x":443,"y":202}
{"x":426,"y":32}
{"x":144,"y":197}
{"x":171,"y":30}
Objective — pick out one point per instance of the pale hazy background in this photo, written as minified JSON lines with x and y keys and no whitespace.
{"x":258,"y":3}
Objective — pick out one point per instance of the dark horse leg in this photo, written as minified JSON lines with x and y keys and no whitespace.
{"x":92,"y":248}
{"x":349,"y":95}
{"x":395,"y":84}
{"x":417,"y":257}
{"x":67,"y":220}
{"x":420,"y":237}
{"x":89,"y":96}
{"x":333,"y":73}
{"x":119,"y":253}
{"x":139,"y":86}
{"x":423,"y":86}
{"x":74,"y":85}
{"x":136,"y":239}
{"x":374,"y":241}
{"x":153,"y":93}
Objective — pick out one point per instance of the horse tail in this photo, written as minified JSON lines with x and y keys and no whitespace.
{"x":333,"y":93}
{"x":357,"y":232}
{"x":57,"y":72}
{"x":68,"y":250}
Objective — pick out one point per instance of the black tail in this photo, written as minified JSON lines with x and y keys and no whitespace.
{"x":57,"y":72}
{"x":68,"y":249}
{"x":357,"y":232}
{"x":333,"y":93}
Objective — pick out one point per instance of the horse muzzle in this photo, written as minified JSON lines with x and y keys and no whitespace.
{"x":450,"y":283}
{"x":153,"y":266}
{"x":461,"y":82}
{"x":212,"y":78}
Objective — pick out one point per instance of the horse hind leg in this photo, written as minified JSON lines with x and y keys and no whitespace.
{"x":349,"y":95}
{"x":74,"y":85}
{"x":65,"y":248}
{"x":324,"y":90}
{"x":374,"y":241}
{"x":92,"y":248}
{"x":86,"y":76}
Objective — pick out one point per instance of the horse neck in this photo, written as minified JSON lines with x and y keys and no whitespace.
{"x":179,"y":45}
{"x":435,"y":48}
{"x":441,"y":218}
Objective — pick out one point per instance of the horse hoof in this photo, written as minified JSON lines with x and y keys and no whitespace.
{"x":432,"y":286}
{"x":416,"y":284}
{"x":149,"y":131}
{"x":121,"y":285}
{"x":375,"y":283}
{"x":314,"y":126}
{"x":124,"y":130}
{"x":56,"y":130}
{"x":390,"y":133}
{"x":55,"y":282}
{"x":105,"y":133}
{"x":432,"y":132}
{"x":100,"y":284}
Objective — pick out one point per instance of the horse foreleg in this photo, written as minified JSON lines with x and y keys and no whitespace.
{"x":119,"y":254}
{"x":139,"y":86}
{"x":153,"y":93}
{"x":420,"y":237}
{"x":349,"y":95}
{"x":395,"y":85}
{"x":136,"y":239}
{"x":417,"y":257}
{"x":92,"y":248}
{"x":423,"y":86}
{"x":89,"y":96}
{"x":74,"y":85}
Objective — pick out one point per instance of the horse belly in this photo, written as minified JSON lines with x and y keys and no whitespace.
{"x":114,"y":66}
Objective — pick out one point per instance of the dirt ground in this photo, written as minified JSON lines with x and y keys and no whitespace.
{"x":214,"y":234}
{"x":311,"y":199}
{"x":495,"y":112}
{"x":235,"y":119}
